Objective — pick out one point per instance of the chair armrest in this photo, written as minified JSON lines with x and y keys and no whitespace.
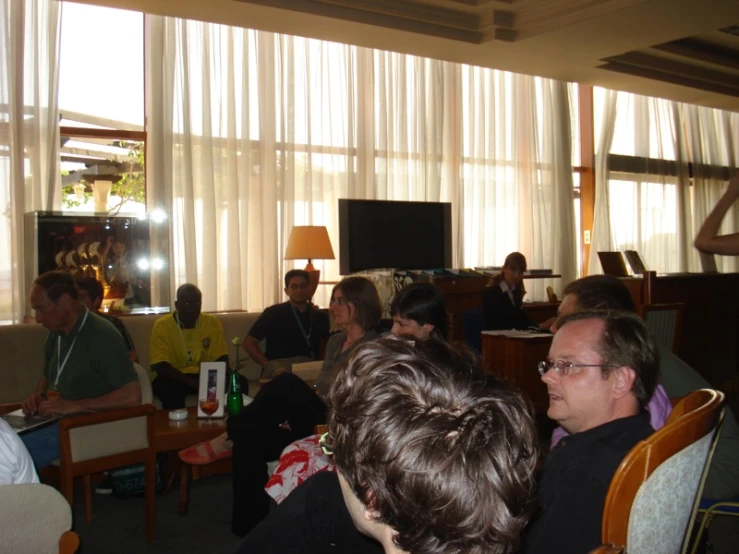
{"x":9,"y":407}
{"x":609,"y":548}
{"x":95,"y":418}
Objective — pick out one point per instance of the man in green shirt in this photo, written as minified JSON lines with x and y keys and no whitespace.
{"x":86,"y":363}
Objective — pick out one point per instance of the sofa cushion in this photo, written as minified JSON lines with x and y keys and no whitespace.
{"x":22,"y":349}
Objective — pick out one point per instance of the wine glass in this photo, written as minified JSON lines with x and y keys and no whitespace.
{"x":209,"y":406}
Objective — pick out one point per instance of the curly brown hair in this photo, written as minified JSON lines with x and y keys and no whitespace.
{"x":444,"y":454}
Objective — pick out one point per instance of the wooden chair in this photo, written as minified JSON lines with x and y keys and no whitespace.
{"x":653,"y":496}
{"x":665,"y":322}
{"x":36,"y":518}
{"x":97,"y":442}
{"x":102,"y":441}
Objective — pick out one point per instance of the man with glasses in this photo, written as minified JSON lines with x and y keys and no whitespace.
{"x":86,"y":364}
{"x":677,"y":379}
{"x":293,"y":330}
{"x":179,"y":342}
{"x":602,"y":369}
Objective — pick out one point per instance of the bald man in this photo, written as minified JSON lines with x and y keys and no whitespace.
{"x":180,"y":341}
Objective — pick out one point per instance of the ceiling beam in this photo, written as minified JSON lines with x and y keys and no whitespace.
{"x":702,"y":51}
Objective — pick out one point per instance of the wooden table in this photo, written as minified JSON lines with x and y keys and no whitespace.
{"x":175,"y":435}
{"x":516,"y":357}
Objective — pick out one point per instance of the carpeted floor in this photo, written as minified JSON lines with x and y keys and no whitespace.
{"x":118,"y":524}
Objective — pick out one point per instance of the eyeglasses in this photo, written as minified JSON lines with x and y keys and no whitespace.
{"x":341,"y":301}
{"x":563,"y":368}
{"x":325,"y":445}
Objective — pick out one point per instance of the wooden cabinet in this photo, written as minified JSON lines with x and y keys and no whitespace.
{"x":710,"y":332}
{"x":516,"y":358}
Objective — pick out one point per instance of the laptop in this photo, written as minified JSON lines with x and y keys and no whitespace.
{"x":613,"y":264}
{"x":635,"y":261}
{"x":20,"y":422}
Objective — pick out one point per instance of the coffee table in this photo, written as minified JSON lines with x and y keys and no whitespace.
{"x":172,"y":435}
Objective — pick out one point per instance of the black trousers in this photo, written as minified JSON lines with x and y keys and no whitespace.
{"x":259,"y":437}
{"x":172,"y":393}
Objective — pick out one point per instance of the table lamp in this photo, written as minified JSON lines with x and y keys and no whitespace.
{"x":309,"y":242}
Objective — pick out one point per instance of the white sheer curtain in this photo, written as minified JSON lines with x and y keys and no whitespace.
{"x":517,"y":173}
{"x":29,"y":134}
{"x":251,"y":133}
{"x":711,"y":142}
{"x":651,"y":206}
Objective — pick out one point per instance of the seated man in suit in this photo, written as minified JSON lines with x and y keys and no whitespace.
{"x":86,"y":364}
{"x":430,"y":457}
{"x":179,"y":342}
{"x":601,"y":371}
{"x":677,"y":378}
{"x":293,"y":329}
{"x":503,"y":300}
{"x":91,"y":295}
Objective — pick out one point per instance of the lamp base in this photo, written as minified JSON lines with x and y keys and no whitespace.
{"x":314,"y":275}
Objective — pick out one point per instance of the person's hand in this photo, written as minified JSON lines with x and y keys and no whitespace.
{"x":546,"y":325}
{"x":31,"y":403}
{"x":59,"y":405}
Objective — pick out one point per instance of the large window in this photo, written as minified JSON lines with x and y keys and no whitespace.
{"x":667,"y":165}
{"x":101,"y":104}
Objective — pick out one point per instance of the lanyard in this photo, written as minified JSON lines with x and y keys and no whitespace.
{"x":60,"y":367}
{"x":182,"y":337}
{"x":306,"y":336}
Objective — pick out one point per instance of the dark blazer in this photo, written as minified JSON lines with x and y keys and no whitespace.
{"x":501,"y":313}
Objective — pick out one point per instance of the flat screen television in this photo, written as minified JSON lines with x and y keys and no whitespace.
{"x":377,"y":234}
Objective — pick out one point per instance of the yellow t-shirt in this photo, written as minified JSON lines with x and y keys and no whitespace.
{"x":184,"y":349}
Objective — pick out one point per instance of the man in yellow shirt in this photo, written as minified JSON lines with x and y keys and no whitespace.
{"x":179,"y":342}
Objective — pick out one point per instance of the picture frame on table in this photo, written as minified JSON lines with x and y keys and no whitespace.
{"x":212,"y":387}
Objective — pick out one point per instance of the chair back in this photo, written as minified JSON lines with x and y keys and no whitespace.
{"x":665,"y":322}
{"x":35,"y":518}
{"x":147,"y":394}
{"x":473,"y":323}
{"x":106,"y":434}
{"x":654,"y":492}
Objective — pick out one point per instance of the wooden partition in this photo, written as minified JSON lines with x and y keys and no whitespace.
{"x":710,"y":324}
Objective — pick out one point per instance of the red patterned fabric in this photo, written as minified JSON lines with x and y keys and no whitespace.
{"x":298,"y":461}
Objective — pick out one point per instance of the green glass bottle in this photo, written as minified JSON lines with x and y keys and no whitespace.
{"x":234,"y":401}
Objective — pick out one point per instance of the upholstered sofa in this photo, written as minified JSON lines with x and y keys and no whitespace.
{"x":21,"y":348}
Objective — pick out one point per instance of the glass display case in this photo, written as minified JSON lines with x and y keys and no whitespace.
{"x":128,"y":254}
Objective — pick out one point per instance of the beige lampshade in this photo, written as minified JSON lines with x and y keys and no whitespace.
{"x":309,"y":242}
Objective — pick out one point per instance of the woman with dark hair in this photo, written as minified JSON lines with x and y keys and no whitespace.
{"x":503,"y":301}
{"x":419,"y":310}
{"x":287,"y":409}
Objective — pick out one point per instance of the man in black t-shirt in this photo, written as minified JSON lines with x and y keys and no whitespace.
{"x":293,"y":330}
